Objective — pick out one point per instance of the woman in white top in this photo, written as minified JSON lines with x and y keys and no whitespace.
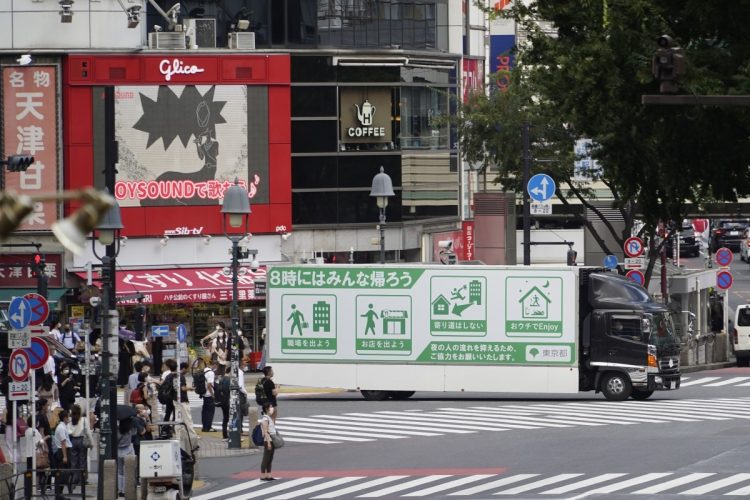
{"x":269,"y":430}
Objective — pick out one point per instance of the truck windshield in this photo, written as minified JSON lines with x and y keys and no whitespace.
{"x":662,"y":330}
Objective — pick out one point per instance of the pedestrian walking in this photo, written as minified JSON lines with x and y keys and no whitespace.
{"x":269,"y":431}
{"x":77,"y":430}
{"x":209,"y":406}
{"x":133,"y":380}
{"x":270,"y":389}
{"x":242,"y":395}
{"x":48,"y":391}
{"x":124,"y":448}
{"x":61,"y":452}
{"x":221,"y":399}
{"x":166,"y":389}
{"x":67,"y":387}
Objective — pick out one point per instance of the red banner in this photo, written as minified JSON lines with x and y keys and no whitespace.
{"x":473,"y":77}
{"x":467,"y":227}
{"x":15,"y":270}
{"x":30,"y":123}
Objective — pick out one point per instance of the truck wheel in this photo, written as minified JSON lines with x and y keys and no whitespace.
{"x":641,"y":395}
{"x":616,"y":386}
{"x":375,"y":395}
{"x":401,"y":394}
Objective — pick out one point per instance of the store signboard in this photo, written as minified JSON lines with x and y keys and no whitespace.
{"x":16,"y":272}
{"x":473,"y":77}
{"x":501,"y":60}
{"x":365,"y":115}
{"x":30,"y":128}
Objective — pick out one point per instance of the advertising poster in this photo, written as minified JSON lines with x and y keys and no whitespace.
{"x":30,"y":128}
{"x":501,"y":60}
{"x":184,"y":145}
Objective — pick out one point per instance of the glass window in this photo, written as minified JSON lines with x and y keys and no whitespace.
{"x":358,"y":170}
{"x":313,"y":101}
{"x":312,"y":69}
{"x":626,"y":327}
{"x":301,"y":22}
{"x":309,"y":172}
{"x":278,"y":16}
{"x":359,"y":206}
{"x":314,"y":136}
{"x":422,"y":110}
{"x":317,"y":207}
{"x":743,"y":317}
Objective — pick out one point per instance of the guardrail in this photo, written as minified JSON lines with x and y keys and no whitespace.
{"x":19,"y":486}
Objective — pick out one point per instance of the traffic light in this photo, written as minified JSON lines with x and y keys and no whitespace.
{"x":668,"y":64}
{"x":38,"y":267}
{"x":19,"y":163}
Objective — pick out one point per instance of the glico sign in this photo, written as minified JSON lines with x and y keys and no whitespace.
{"x":365,"y":115}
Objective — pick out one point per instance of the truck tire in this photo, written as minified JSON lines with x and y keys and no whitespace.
{"x":375,"y":395}
{"x":616,"y":386}
{"x":641,"y":395}
{"x":401,"y":394}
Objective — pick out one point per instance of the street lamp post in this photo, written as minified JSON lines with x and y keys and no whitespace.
{"x":108,"y":234}
{"x":235,"y":213}
{"x":382,"y":189}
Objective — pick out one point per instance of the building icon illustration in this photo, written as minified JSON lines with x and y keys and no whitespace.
{"x":534,"y":304}
{"x":321,"y":316}
{"x":475,"y":292}
{"x":440,"y":306}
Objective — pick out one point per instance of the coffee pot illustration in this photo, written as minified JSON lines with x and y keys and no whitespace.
{"x":365,"y":114}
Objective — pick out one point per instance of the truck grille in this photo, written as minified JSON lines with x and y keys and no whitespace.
{"x":664,"y":364}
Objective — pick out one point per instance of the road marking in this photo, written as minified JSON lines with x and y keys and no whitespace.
{"x":283,"y":485}
{"x":338,"y":437}
{"x":319,"y":423}
{"x":494,"y":484}
{"x":228,"y":491}
{"x":569,"y":418}
{"x":611,"y":488}
{"x":404,"y":486}
{"x":737,"y":478}
{"x":317,"y":487}
{"x":292,"y":426}
{"x":728,"y":381}
{"x":690,"y":478}
{"x":361,"y":486}
{"x":449,"y":485}
{"x":538,"y":484}
{"x":582,"y":484}
{"x":308,"y":441}
{"x":698,"y":381}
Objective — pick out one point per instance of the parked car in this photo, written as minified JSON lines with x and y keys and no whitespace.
{"x":745,"y":245}
{"x":689,"y":244}
{"x":728,"y":233}
{"x":741,"y":334}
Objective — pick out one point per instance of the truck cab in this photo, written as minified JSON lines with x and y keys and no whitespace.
{"x":628,"y":347}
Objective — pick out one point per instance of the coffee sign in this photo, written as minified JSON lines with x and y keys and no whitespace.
{"x":365,"y":115}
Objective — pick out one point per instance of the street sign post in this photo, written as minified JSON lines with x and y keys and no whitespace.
{"x":19,"y":339}
{"x":635,"y":263}
{"x":724,"y":280}
{"x":181,"y":333}
{"x":19,"y":391}
{"x":19,"y":313}
{"x":19,"y":365}
{"x":724,"y":257}
{"x":610,"y":261}
{"x":39,"y":308}
{"x":38,"y":353}
{"x":637,"y":276}
{"x":540,"y":208}
{"x":633,"y":247}
{"x":541,"y":187}
{"x":160,"y":331}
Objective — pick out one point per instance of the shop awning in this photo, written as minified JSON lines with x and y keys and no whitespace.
{"x":53,"y":294}
{"x":181,"y":285}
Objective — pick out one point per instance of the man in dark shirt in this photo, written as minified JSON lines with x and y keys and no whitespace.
{"x":183,"y":383}
{"x":271,"y":389}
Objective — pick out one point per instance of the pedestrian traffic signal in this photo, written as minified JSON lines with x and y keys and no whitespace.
{"x":668,"y":64}
{"x":19,"y":163}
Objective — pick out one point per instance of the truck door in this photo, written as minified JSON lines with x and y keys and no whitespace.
{"x":623,"y":342}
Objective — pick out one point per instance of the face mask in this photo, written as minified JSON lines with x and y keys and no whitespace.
{"x":65,"y":372}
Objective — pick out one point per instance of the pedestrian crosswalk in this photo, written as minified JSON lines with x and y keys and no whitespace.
{"x":573,"y":485}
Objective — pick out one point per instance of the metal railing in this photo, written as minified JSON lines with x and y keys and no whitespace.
{"x":19,"y":486}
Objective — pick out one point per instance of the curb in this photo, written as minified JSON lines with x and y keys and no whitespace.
{"x":707,"y":366}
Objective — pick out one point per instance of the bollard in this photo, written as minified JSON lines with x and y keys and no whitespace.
{"x":6,"y":473}
{"x":110,"y":480}
{"x":131,"y":476}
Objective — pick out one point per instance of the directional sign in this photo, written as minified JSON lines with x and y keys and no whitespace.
{"x":160,"y":331}
{"x":38,"y":353}
{"x":39,"y":308}
{"x":181,"y":333}
{"x":637,"y":276}
{"x":724,"y":280}
{"x":19,"y":313}
{"x":19,"y":391}
{"x":19,"y":339}
{"x":633,"y":247}
{"x":610,"y":261}
{"x":541,"y":187}
{"x":19,"y":365}
{"x":724,"y":256}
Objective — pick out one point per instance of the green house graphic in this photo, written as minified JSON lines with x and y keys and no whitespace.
{"x":534,"y":304}
{"x":440,"y":306}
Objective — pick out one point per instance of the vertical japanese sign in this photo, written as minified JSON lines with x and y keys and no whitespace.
{"x":467,"y":227}
{"x":473,"y":77}
{"x":30,"y":128}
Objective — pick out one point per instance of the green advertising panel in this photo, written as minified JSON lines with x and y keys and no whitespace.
{"x":428,"y":314}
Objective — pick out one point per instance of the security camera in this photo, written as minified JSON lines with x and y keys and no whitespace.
{"x":24,"y":60}
{"x":254,"y":265}
{"x":665,"y":41}
{"x":446,"y":244}
{"x":95,"y":301}
{"x":158,"y":28}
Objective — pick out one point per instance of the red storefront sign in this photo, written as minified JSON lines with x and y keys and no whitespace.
{"x":467,"y":227}
{"x":15,"y":270}
{"x":473,"y":77}
{"x":30,"y":123}
{"x":166,"y":286}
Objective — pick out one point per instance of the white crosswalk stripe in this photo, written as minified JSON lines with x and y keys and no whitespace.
{"x":485,"y":485}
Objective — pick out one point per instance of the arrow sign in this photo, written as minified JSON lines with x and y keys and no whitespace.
{"x":633,"y":247}
{"x":541,"y":187}
{"x":610,"y":261}
{"x":160,"y":331}
{"x":181,"y":333}
{"x":19,"y":313}
{"x":19,"y":365}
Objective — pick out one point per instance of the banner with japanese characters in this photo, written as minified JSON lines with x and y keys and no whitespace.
{"x":430,"y":314}
{"x":30,"y":128}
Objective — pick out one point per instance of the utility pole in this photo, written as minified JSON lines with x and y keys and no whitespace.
{"x":525,"y":132}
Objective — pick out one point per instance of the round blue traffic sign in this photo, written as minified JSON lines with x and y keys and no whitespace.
{"x":637,"y":276}
{"x":724,"y":256}
{"x":724,"y":280}
{"x":181,"y":333}
{"x":610,"y":261}
{"x":541,"y":187}
{"x":39,"y":308}
{"x":19,"y":313}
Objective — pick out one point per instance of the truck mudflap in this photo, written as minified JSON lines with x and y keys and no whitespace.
{"x":663,"y":382}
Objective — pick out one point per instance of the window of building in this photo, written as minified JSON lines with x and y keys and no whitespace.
{"x":313,"y":101}
{"x":314,"y":172}
{"x":314,"y":136}
{"x":422,"y":118}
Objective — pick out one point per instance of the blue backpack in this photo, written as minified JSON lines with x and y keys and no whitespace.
{"x":257,"y":436}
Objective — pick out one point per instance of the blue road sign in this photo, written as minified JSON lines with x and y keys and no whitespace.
{"x":181,"y":333}
{"x":160,"y":331}
{"x":637,"y":276}
{"x":724,"y":256}
{"x":610,"y":261}
{"x":19,"y":313}
{"x":541,"y":187}
{"x":724,"y":280}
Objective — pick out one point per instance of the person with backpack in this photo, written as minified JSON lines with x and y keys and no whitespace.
{"x":209,"y":407}
{"x":221,"y":399}
{"x":167,"y":392}
{"x":266,"y":391}
{"x":138,"y":395}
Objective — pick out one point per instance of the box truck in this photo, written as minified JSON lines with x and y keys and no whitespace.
{"x":391,"y":330}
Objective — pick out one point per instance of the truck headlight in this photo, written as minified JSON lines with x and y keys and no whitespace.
{"x":652,"y":362}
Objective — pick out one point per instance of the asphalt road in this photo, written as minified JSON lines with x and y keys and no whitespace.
{"x":690,"y":442}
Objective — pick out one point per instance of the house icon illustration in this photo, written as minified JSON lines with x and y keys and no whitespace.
{"x":534,"y":304}
{"x":440,"y":306}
